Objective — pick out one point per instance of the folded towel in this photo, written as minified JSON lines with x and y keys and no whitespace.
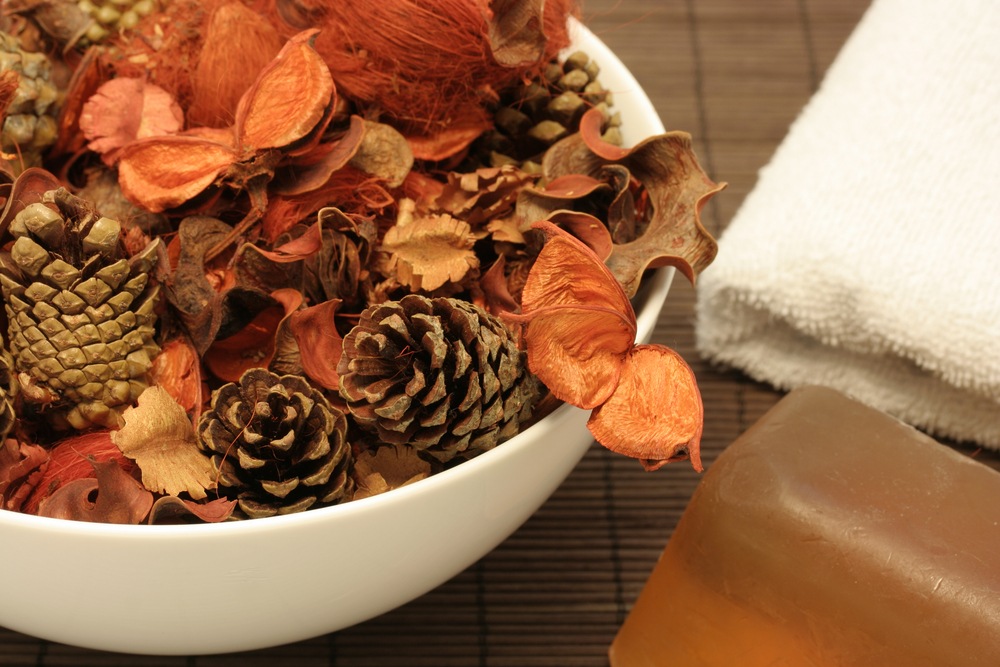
{"x":867,"y":257}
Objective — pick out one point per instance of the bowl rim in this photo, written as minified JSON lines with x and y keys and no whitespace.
{"x":639,"y":105}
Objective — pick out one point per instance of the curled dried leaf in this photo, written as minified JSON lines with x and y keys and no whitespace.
{"x":171,"y":510}
{"x":112,"y":497}
{"x":21,"y":467}
{"x":678,"y":189}
{"x":159,"y":437}
{"x":449,"y":142}
{"x":301,"y":177}
{"x":655,"y":414}
{"x":177,"y":368}
{"x":254,"y":345}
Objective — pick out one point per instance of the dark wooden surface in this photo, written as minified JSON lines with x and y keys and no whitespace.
{"x":734,"y":74}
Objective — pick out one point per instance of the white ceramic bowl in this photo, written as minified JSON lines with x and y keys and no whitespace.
{"x":186,"y":590}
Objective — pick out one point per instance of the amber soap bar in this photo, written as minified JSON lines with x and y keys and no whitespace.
{"x":828,"y":534}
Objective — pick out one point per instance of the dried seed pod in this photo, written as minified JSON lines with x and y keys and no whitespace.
{"x":80,"y":315}
{"x":278,"y":444}
{"x":441,"y":375}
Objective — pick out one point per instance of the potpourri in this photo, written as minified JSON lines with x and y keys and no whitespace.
{"x":265,"y":256}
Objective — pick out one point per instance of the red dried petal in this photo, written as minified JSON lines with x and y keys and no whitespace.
{"x":446,"y":143}
{"x":305,"y":176}
{"x":316,"y":333}
{"x":655,"y":414}
{"x":124,"y":110}
{"x":177,"y":369}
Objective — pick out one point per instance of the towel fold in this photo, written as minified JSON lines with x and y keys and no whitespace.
{"x":867,"y":257}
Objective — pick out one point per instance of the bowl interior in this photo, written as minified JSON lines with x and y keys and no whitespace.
{"x":186,"y":590}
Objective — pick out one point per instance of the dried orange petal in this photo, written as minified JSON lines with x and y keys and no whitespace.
{"x":580,"y":324}
{"x":289,"y":98}
{"x":163,"y":172}
{"x":655,"y":414}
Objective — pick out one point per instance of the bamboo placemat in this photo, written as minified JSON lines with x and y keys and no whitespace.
{"x":734,"y":74}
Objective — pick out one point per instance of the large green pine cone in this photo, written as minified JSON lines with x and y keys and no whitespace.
{"x":278,"y":444}
{"x":80,"y":317}
{"x":30,"y":125}
{"x":441,"y":375}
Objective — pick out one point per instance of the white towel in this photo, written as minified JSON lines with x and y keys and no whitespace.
{"x":867,"y":257}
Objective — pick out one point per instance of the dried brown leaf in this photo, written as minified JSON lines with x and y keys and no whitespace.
{"x":495,"y":292}
{"x":254,"y":345}
{"x":431,"y":251}
{"x":384,"y":153}
{"x":449,"y":142}
{"x":171,"y":509}
{"x":678,"y":189}
{"x":177,"y":369}
{"x":299,"y":177}
{"x":159,"y":437}
{"x":206,"y":313}
{"x":388,"y":468}
{"x":516,"y":30}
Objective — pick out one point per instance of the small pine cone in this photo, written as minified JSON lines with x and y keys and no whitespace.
{"x":278,"y":444}
{"x":30,"y":125}
{"x":534,"y":116}
{"x":80,"y":315}
{"x":441,"y":375}
{"x":8,"y":387}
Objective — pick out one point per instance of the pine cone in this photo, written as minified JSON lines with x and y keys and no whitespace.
{"x":441,"y":375}
{"x":8,"y":387}
{"x":30,"y":126}
{"x":279,"y":445}
{"x":112,"y":17}
{"x":533,"y":117}
{"x":80,"y":315}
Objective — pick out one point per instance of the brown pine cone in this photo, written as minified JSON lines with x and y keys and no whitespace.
{"x":278,"y":444}
{"x":441,"y":375}
{"x":534,"y":116}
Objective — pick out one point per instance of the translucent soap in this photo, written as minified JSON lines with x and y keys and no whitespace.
{"x":828,"y":534}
